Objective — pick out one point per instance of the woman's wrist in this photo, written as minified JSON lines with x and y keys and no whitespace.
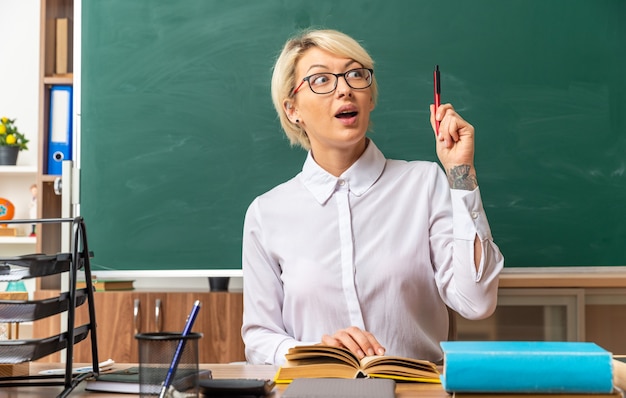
{"x":462,"y":177}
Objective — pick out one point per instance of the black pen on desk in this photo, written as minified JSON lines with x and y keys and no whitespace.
{"x":179,"y":349}
{"x":437,"y":84}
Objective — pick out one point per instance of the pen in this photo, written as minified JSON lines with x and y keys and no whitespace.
{"x":437,"y":81}
{"x":179,"y":349}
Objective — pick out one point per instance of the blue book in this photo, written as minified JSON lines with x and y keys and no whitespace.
{"x":526,"y":367}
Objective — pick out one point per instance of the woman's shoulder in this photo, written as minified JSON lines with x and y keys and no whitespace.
{"x":419,"y":166}
{"x":281,"y":198}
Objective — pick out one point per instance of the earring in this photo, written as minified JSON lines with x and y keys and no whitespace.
{"x":297,"y":120}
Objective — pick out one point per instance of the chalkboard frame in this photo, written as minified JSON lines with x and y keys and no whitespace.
{"x":541,"y":82}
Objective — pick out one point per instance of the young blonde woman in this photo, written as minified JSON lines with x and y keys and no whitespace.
{"x":357,"y":250}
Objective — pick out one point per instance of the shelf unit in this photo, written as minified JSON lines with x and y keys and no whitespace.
{"x":16,"y":352}
{"x":19,"y":101}
{"x":17,"y":179}
{"x":21,"y":177}
{"x":48,"y":202}
{"x":15,"y":182}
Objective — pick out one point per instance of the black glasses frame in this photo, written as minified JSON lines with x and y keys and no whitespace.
{"x":337,"y":76}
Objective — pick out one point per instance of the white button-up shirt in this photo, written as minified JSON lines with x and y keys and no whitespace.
{"x":385,"y":247}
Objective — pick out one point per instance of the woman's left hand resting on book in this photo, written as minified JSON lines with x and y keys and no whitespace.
{"x":360,"y":342}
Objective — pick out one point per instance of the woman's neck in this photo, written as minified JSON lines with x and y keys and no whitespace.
{"x":337,"y":160}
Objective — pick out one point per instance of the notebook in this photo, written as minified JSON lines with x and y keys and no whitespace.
{"x":341,"y":388}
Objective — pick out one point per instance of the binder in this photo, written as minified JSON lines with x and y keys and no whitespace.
{"x":60,"y":128}
{"x":62,"y":42}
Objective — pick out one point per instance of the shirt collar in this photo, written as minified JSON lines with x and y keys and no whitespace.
{"x":360,"y":176}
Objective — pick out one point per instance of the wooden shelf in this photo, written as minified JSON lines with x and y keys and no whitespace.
{"x":21,"y":170}
{"x":49,"y":177}
{"x":64,"y":79}
{"x":18,"y":240}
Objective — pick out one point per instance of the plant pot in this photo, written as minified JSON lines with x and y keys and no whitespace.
{"x":8,"y":155}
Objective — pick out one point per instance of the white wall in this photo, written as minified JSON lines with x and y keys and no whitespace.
{"x":19,"y":96}
{"x":19,"y":90}
{"x":19,"y":69}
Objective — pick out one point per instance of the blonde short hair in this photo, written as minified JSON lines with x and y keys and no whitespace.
{"x":284,"y":75}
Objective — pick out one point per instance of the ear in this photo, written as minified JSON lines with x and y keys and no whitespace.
{"x":290,"y":110}
{"x":372,"y":106}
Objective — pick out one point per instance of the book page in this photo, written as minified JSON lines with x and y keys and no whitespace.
{"x":399,"y":366}
{"x":323,"y":354}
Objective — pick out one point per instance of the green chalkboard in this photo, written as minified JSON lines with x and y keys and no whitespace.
{"x":178,"y":134}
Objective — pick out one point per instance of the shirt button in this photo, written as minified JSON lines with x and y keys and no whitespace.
{"x":474,"y":214}
{"x":341,"y":182}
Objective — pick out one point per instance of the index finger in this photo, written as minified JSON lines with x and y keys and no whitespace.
{"x":371,"y":345}
{"x":367,"y":343}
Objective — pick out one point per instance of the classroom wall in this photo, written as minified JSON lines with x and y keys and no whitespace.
{"x":19,"y":96}
{"x":19,"y":70}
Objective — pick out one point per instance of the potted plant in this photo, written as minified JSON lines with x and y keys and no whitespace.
{"x":11,"y":141}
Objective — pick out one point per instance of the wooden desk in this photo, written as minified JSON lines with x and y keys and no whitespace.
{"x":223,"y":371}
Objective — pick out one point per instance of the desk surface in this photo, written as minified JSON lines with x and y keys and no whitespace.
{"x":223,"y":371}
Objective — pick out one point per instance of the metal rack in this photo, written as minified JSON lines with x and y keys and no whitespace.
{"x":40,"y":265}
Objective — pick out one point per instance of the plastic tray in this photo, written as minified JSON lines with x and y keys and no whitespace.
{"x":26,"y":311}
{"x":36,"y":265}
{"x":18,"y":351}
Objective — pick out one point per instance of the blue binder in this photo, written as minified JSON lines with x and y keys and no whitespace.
{"x":60,"y":128}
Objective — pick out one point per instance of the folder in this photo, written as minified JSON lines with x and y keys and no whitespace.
{"x":60,"y":128}
{"x":62,"y":41}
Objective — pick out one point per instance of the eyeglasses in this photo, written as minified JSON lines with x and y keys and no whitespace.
{"x":324,"y":83}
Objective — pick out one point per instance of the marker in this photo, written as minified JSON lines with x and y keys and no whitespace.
{"x":437,"y":81}
{"x":179,"y":350}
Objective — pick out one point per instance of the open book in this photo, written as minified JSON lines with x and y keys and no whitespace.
{"x":316,"y":361}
